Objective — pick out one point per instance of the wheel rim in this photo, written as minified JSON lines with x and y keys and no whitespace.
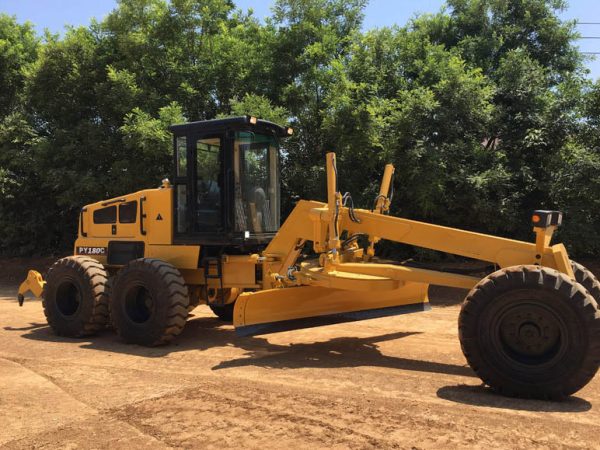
{"x":139,"y":304}
{"x":530,"y":333}
{"x":68,"y":299}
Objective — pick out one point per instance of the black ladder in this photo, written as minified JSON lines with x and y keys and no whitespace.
{"x":216,"y":263}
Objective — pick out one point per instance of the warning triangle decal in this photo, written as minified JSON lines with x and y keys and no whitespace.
{"x":159,"y":217}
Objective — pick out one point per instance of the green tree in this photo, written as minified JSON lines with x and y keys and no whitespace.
{"x":308,"y":39}
{"x":528,"y":55}
{"x":19,"y":47}
{"x":430,"y":122}
{"x":484,"y":108}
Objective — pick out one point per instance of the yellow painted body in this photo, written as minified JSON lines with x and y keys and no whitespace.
{"x":253,"y":308}
{"x":337,"y":280}
{"x":238,"y":271}
{"x":351,"y":280}
{"x":34,"y":283}
{"x":158,"y":237}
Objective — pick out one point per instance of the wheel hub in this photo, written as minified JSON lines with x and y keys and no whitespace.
{"x":68,"y":299}
{"x":529,"y":330}
{"x":139,"y":304}
{"x":530,"y":334}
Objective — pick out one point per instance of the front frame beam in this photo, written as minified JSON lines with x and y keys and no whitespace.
{"x":324,"y":223}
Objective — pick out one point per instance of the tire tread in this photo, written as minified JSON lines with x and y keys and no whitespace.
{"x":515,"y":277}
{"x":177,"y":297}
{"x":96,"y":278}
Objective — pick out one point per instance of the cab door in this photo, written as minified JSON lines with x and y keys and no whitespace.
{"x":199,"y":187}
{"x":182,"y":187}
{"x":207,"y":184}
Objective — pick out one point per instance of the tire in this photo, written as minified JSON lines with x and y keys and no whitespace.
{"x":75,"y":299}
{"x":587,"y":279}
{"x":532,"y":332}
{"x":223,"y":312}
{"x":149,"y":302}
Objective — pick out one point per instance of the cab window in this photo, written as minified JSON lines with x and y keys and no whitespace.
{"x":257,"y":183}
{"x":106,"y":215}
{"x":208,"y":188}
{"x":128,"y":212}
{"x":181,"y":156}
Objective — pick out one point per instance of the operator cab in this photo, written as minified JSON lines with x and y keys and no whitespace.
{"x":226,"y":181}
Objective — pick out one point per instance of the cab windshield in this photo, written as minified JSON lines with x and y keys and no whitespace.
{"x":256,"y":160}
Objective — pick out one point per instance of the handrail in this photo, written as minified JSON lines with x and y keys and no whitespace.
{"x":142,"y":215}
{"x":83,"y":233}
{"x":110,"y":202}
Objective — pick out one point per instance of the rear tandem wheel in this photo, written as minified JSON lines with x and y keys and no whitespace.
{"x":75,"y":298}
{"x":222,"y":302}
{"x":223,"y":312}
{"x":150,"y":300}
{"x":530,"y":331}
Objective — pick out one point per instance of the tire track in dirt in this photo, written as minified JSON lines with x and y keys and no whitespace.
{"x":78,"y":409}
{"x":247,"y":412}
{"x":396,"y":382}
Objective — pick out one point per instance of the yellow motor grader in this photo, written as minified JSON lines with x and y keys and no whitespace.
{"x":212,"y":236}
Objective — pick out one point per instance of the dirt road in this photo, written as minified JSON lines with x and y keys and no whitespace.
{"x":397,"y":382}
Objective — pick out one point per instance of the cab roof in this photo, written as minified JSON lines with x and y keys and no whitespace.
{"x":239,"y":123}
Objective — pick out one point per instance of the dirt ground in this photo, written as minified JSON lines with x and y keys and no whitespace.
{"x":398,"y":382}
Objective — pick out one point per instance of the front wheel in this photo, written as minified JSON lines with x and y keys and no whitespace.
{"x":530,"y":331}
{"x":587,"y":279}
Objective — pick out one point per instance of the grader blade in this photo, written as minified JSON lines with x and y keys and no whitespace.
{"x":275,"y":310}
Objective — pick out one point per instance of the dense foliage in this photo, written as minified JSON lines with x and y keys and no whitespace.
{"x":485,"y":108}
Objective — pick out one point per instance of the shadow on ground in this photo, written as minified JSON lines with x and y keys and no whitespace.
{"x":203,"y":333}
{"x":341,"y":352}
{"x":484,"y":396}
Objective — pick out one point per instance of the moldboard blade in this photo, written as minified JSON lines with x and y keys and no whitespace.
{"x":287,"y":309}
